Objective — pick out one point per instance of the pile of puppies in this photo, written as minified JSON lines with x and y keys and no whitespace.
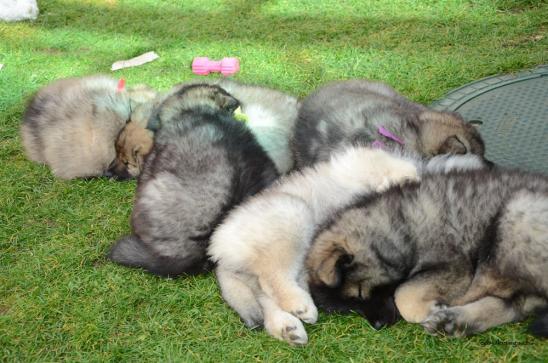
{"x":355,"y":199}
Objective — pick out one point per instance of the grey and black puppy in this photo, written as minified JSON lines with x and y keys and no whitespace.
{"x":468,"y":250}
{"x":203,"y":162}
{"x":271,"y":117}
{"x":72,"y":124}
{"x":352,"y":112}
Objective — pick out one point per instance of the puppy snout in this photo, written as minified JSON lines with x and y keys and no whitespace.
{"x":118,"y":172}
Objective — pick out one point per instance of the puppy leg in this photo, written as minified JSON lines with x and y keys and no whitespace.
{"x":290,"y":297}
{"x":281,"y":324}
{"x":429,"y":291}
{"x":487,"y":282}
{"x":240,"y":297}
{"x":282,"y":266}
{"x":472,"y":318}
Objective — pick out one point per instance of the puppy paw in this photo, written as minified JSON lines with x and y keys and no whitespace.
{"x":285,"y":326}
{"x":447,"y":321}
{"x":306,"y":312}
{"x":302,"y":306}
{"x":295,"y":335}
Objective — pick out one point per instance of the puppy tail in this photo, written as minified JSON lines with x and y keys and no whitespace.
{"x":539,"y":326}
{"x":131,"y":251}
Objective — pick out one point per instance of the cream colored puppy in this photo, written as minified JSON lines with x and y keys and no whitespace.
{"x":261,"y":246}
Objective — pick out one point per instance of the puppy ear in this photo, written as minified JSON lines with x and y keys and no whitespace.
{"x":452,"y":145}
{"x":326,"y":261}
{"x":226,"y":102}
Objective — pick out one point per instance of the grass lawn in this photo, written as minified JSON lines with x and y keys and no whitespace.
{"x":60,"y":299}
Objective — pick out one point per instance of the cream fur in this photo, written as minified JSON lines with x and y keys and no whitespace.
{"x":261,"y":246}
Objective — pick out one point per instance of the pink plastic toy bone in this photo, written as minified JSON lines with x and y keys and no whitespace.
{"x":203,"y":66}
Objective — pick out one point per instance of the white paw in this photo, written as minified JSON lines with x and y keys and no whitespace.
{"x":307,"y":312}
{"x":285,"y":326}
{"x":302,"y":306}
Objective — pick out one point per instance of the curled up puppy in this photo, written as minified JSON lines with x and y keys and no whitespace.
{"x":467,"y":251}
{"x":71,"y":124}
{"x":203,"y":162}
{"x":270,"y":115}
{"x":261,"y":246}
{"x":362,"y":112}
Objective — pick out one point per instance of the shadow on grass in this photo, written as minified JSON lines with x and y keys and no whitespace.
{"x":243,"y":21}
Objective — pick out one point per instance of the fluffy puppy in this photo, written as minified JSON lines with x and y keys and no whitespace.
{"x":261,"y":246}
{"x":468,"y":250}
{"x":379,"y":308}
{"x":203,"y":162}
{"x":135,"y":141}
{"x":71,"y":125}
{"x":271,"y":116}
{"x":352,"y":113}
{"x":133,"y":144}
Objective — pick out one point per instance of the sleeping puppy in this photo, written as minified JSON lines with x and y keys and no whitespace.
{"x":71,"y":124}
{"x":132,"y":146}
{"x":270,"y":115}
{"x":467,"y":250}
{"x":362,"y":112}
{"x":135,"y":141}
{"x":203,"y":163}
{"x":261,"y":246}
{"x":380,"y":309}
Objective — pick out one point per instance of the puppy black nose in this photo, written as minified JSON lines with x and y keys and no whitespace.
{"x":121,"y":174}
{"x":108,"y":174}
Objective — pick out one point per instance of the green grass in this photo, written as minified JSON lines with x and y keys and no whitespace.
{"x":60,"y":299}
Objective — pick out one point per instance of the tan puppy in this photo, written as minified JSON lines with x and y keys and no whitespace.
{"x":132,"y":146}
{"x":71,"y":125}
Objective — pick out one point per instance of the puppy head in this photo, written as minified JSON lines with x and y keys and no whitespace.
{"x":345,"y":275}
{"x":379,"y":310}
{"x":132,"y":146}
{"x":192,"y":96}
{"x":448,"y":133}
{"x":342,"y":257}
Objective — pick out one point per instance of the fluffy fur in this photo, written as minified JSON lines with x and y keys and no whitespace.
{"x":468,"y":250}
{"x":71,"y":125}
{"x":135,"y":141}
{"x":203,"y":162}
{"x":132,"y":146}
{"x":261,"y":246}
{"x":350,"y":112}
{"x":271,"y":117}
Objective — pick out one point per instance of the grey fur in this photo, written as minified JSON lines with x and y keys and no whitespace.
{"x":203,"y":162}
{"x":350,"y":112}
{"x":271,"y":117}
{"x":469,"y":250}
